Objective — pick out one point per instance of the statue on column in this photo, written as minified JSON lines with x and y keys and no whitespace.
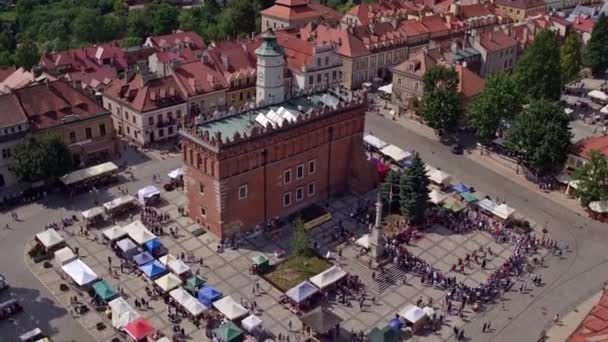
{"x":376,"y":238}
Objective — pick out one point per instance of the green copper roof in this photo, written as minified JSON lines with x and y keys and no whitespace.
{"x":269,"y":47}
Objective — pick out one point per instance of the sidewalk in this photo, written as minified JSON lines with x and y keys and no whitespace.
{"x":571,"y":321}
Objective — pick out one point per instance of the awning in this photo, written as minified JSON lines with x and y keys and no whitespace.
{"x":251,"y":322}
{"x":193,"y":284}
{"x":437,"y":176}
{"x":301,"y":292}
{"x":208,"y":294}
{"x":374,"y":141}
{"x":138,"y":232}
{"x":139,"y":329}
{"x":142,"y":258}
{"x":453,"y":204}
{"x":436,"y":196}
{"x":79,"y":272}
{"x":104,"y":291}
{"x":119,"y":305}
{"x":328,"y":277}
{"x":386,"y":334}
{"x":363,"y":241}
{"x":178,"y":267}
{"x":153,"y":269}
{"x":395,"y":323}
{"x":166,"y":259}
{"x":92,"y":213}
{"x":503,"y":211}
{"x":64,"y":256}
{"x":49,"y":238}
{"x":120,"y":320}
{"x":119,"y":202}
{"x":598,"y":95}
{"x":127,"y":247}
{"x":168,"y":282}
{"x":599,"y":207}
{"x":604,"y":110}
{"x":90,"y":172}
{"x":153,"y":245}
{"x":395,"y":153}
{"x":461,"y":187}
{"x":176,"y":173}
{"x":487,"y":204}
{"x":412,"y":314}
{"x":260,"y":259}
{"x":320,"y":320}
{"x":468,"y":197}
{"x":387,"y":89}
{"x":230,"y":308}
{"x":147,"y":192}
{"x":229,"y":332}
{"x":188,"y":302}
{"x":428,"y":311}
{"x":114,"y":233}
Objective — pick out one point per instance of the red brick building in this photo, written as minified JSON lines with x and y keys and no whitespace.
{"x":243,"y":170}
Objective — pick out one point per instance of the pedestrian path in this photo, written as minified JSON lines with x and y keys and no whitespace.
{"x":381,"y":282}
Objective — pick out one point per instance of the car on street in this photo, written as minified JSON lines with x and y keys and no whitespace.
{"x":456,"y":148}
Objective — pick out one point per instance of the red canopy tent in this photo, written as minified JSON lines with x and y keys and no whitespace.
{"x":382,"y":169}
{"x":139,"y":329}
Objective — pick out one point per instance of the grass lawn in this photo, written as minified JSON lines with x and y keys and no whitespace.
{"x":8,"y":16}
{"x":295,"y":270}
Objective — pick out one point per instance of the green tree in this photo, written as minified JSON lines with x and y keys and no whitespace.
{"x":541,"y":134}
{"x":592,"y":179}
{"x":27,"y":55}
{"x":42,"y":157}
{"x":538,"y":71}
{"x":597,"y":48}
{"x":570,"y":58}
{"x":187,"y":21}
{"x":499,"y":101}
{"x":6,"y":59}
{"x":441,"y":105}
{"x":131,"y":42}
{"x":300,"y":243}
{"x":163,"y":17}
{"x":139,"y":24}
{"x":414,"y":194}
{"x":390,"y":189}
{"x":87,"y":26}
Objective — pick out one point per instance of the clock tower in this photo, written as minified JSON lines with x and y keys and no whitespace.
{"x":270,"y":88}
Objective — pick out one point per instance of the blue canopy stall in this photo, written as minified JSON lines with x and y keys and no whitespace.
{"x":155,"y":247}
{"x":209,"y":294}
{"x":143,"y":258}
{"x":153,"y":269}
{"x":395,"y":323}
{"x":460,"y":188}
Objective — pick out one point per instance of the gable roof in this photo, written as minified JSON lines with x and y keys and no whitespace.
{"x":469,"y":83}
{"x":496,"y":40}
{"x":475,"y":11}
{"x":197,"y":78}
{"x":12,"y":114}
{"x":146,"y":96}
{"x":347,"y":44}
{"x":178,"y":39}
{"x":521,"y":4}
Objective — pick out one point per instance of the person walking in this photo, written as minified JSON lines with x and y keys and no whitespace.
{"x":484,"y":327}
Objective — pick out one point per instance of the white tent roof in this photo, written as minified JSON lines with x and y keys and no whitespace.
{"x":412,"y":314}
{"x":328,"y":277}
{"x":114,"y":233}
{"x":120,"y":320}
{"x":186,"y":300}
{"x":119,"y":305}
{"x":604,"y":110}
{"x":178,"y":267}
{"x":374,"y":141}
{"x":388,"y":89}
{"x":437,"y":196}
{"x":80,"y":272}
{"x":118,"y":202}
{"x":147,"y":192}
{"x":395,"y":153}
{"x":166,"y":259}
{"x":428,"y":311}
{"x":600,"y":207}
{"x":437,"y":176}
{"x":64,"y":255}
{"x":93,"y":171}
{"x":574,"y":184}
{"x":230,"y":308}
{"x":176,"y":173}
{"x":251,"y":322}
{"x":487,"y":204}
{"x":49,"y":238}
{"x":138,"y":232}
{"x":363,"y":241}
{"x":93,"y":212}
{"x":598,"y":94}
{"x":503,"y":211}
{"x":168,"y":282}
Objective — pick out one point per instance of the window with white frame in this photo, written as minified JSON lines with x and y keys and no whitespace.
{"x":201,"y":188}
{"x":300,"y":171}
{"x":287,"y":176}
{"x":243,"y":191}
{"x":287,"y":199}
{"x":203,"y":211}
{"x":311,"y":189}
{"x":312,"y":166}
{"x":299,"y":194}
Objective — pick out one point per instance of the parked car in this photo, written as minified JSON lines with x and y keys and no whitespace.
{"x":456,"y":148}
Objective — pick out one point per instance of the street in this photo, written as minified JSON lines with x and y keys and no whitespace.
{"x":567,"y":282}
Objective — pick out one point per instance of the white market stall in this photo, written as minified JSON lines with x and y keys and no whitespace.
{"x":114,"y":233}
{"x":166,"y":259}
{"x":604,"y":110}
{"x":79,"y":272}
{"x":487,"y":205}
{"x":188,"y":302}
{"x":363,"y":241}
{"x":64,"y":256}
{"x":89,"y":173}
{"x":437,"y":176}
{"x":119,"y":204}
{"x":436,"y":196}
{"x":148,"y":194}
{"x":124,"y":318}
{"x":138,"y":232}
{"x":302,"y":292}
{"x":600,"y":207}
{"x":178,"y":267}
{"x":177,"y":173}
{"x":395,"y":153}
{"x":328,"y":277}
{"x":374,"y":141}
{"x":387,"y":89}
{"x":598,"y":95}
{"x":503,"y":211}
{"x":251,"y":323}
{"x":414,"y":316}
{"x":230,"y":308}
{"x":168,"y":282}
{"x":50,"y":239}
{"x":92,"y":215}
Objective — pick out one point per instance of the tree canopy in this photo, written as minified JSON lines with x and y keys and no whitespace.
{"x":541,"y":134}
{"x":441,"y":107}
{"x":41,"y":157}
{"x":592,"y":179}
{"x":390,"y":189}
{"x":597,"y":48}
{"x":538,"y":71}
{"x":570,"y":58}
{"x":414,"y":191}
{"x":300,"y":244}
{"x":500,"y":100}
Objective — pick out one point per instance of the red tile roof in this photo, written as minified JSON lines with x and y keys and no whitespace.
{"x":594,"y":327}
{"x":46,"y":105}
{"x":583,"y":24}
{"x":298,"y":52}
{"x":154,"y":94}
{"x":290,"y":13}
{"x":178,"y":39}
{"x":291,"y":3}
{"x":326,"y":12}
{"x":12,"y":114}
{"x":184,"y":55}
{"x":6,"y":72}
{"x":234,"y":57}
{"x":197,"y":78}
{"x":474,"y":11}
{"x":497,"y":40}
{"x":469,"y":83}
{"x":434,"y":23}
{"x":413,"y":28}
{"x":521,"y":4}
{"x":583,"y":148}
{"x":348,"y":44}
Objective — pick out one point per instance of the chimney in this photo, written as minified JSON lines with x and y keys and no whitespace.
{"x":455,"y":8}
{"x":205,"y":58}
